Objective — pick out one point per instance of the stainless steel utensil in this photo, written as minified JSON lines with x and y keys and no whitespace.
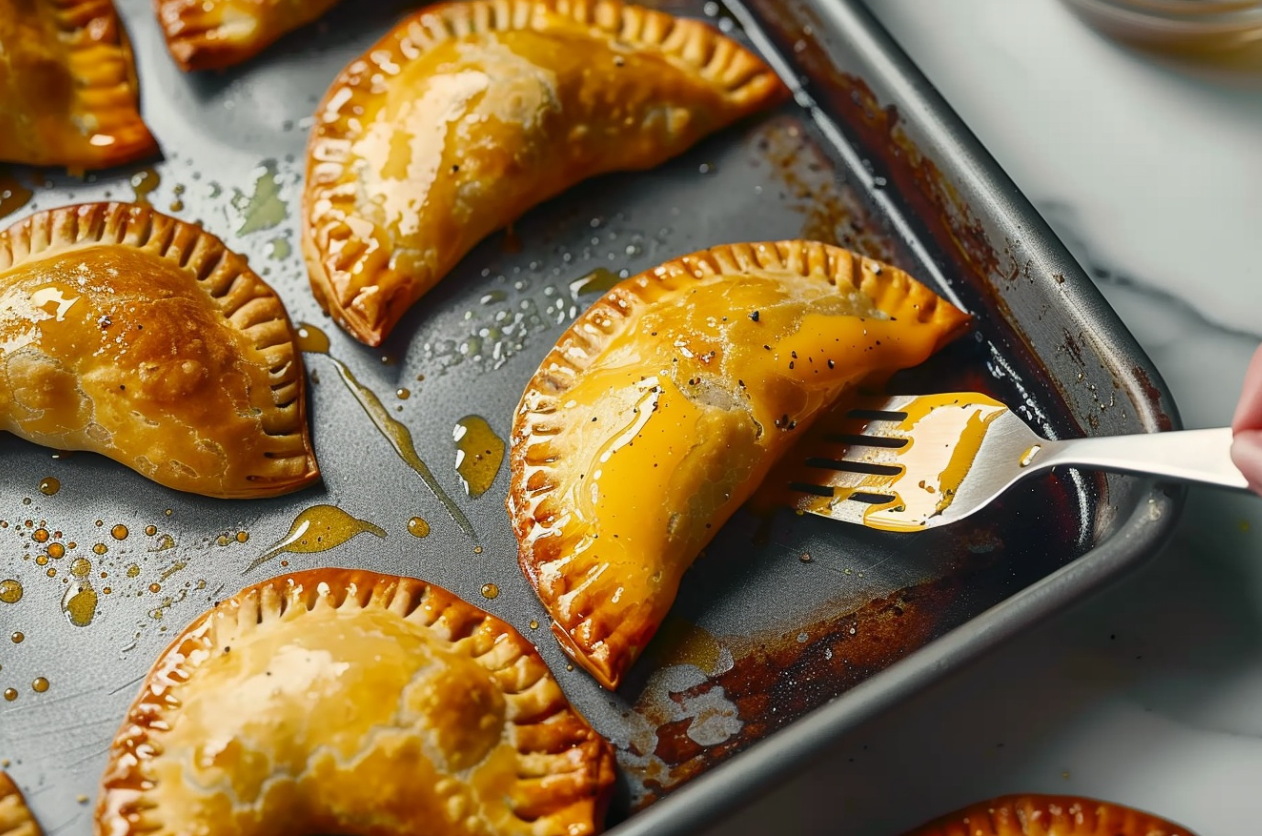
{"x":911,"y":462}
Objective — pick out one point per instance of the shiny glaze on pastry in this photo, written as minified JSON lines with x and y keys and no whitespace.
{"x":213,"y":34}
{"x":68,"y":91}
{"x":348,"y":702}
{"x":15,"y":816}
{"x":662,"y":408}
{"x":469,"y":113}
{"x":143,"y":338}
{"x":1048,"y":815}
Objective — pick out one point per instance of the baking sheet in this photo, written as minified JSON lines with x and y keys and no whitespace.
{"x":782,"y":614}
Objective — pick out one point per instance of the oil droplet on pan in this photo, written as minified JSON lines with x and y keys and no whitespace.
{"x":490,"y":590}
{"x":100,"y":548}
{"x":143,"y":183}
{"x":418,"y":527}
{"x":317,"y":529}
{"x":40,"y":535}
{"x":10,"y":694}
{"x":133,"y":570}
{"x":81,"y":567}
{"x":10,"y":591}
{"x":39,"y":685}
{"x":56,"y":551}
{"x":79,"y":603}
{"x":119,"y":532}
{"x":312,"y":339}
{"x":49,"y":485}
{"x":534,"y":624}
{"x":479,"y":454}
{"x":263,"y":209}
{"x":151,"y":530}
{"x":600,"y":280}
{"x":166,"y":541}
{"x":18,"y":637}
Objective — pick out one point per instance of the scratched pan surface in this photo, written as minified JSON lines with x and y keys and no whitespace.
{"x":790,"y":630}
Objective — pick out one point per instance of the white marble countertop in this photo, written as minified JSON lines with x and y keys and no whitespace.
{"x":1149,"y":693}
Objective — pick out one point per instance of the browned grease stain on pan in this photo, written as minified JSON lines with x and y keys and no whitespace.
{"x":777,"y":678}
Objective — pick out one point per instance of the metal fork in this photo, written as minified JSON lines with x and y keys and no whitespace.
{"x":907,"y":463}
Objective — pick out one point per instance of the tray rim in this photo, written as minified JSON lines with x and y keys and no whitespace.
{"x":771,"y":762}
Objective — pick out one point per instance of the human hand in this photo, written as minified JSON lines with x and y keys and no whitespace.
{"x":1246,"y":448}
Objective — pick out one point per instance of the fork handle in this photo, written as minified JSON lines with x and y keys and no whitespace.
{"x":1187,"y":455}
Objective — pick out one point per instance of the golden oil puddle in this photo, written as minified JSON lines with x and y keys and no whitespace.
{"x":263,"y":208}
{"x":682,"y":643}
{"x":39,"y":685}
{"x":13,"y":195}
{"x":166,"y":541}
{"x":312,"y":339}
{"x":81,"y":567}
{"x":490,"y":591}
{"x":418,"y":527}
{"x":600,"y":280}
{"x":49,"y":485}
{"x":479,"y":454}
{"x":317,"y":529}
{"x":10,"y":591}
{"x":56,"y":551}
{"x":100,"y":548}
{"x":40,"y":535}
{"x":143,"y":183}
{"x":133,"y":571}
{"x":119,"y":532}
{"x":79,"y":603}
{"x":171,"y":570}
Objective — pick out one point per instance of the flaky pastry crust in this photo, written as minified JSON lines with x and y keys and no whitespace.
{"x":15,"y":816}
{"x":214,"y":34}
{"x":68,"y":90}
{"x":1048,"y":815}
{"x":661,"y":409}
{"x":469,"y":113}
{"x":334,"y":701}
{"x":143,"y":338}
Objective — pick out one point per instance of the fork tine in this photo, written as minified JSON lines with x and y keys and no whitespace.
{"x":852,"y":465}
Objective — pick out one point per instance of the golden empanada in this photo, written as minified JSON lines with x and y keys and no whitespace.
{"x":662,"y":408}
{"x":1048,"y":815}
{"x":469,"y":113}
{"x":143,"y":338}
{"x":334,"y":701}
{"x":213,"y":34}
{"x":68,"y":91}
{"x":15,"y":816}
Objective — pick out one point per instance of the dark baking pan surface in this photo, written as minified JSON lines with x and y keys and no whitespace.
{"x":790,"y":630}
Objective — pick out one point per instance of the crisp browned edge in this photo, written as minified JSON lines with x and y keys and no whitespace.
{"x":1013,"y":815}
{"x":193,"y":46}
{"x":204,"y":256}
{"x":102,"y":14}
{"x":752,"y":85}
{"x":15,"y":816}
{"x":870,"y":276}
{"x":130,"y":751}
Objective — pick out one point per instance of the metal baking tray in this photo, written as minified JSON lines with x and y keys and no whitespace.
{"x":790,"y":630}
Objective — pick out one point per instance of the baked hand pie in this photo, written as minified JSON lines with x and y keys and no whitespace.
{"x":469,"y":113}
{"x":15,"y":816}
{"x":334,"y":701}
{"x":213,"y":34}
{"x":143,"y":338}
{"x":68,"y":90}
{"x":1048,"y":815}
{"x":661,"y":409}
